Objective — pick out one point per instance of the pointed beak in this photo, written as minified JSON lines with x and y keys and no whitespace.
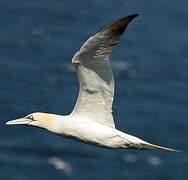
{"x":19,"y":121}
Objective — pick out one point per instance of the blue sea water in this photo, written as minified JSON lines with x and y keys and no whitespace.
{"x":37,"y":41}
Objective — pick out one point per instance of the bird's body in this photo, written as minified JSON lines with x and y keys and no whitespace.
{"x":91,"y":120}
{"x":88,"y":131}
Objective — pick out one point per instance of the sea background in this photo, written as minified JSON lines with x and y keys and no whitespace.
{"x":37,"y":41}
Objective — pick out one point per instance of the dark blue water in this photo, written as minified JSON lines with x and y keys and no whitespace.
{"x":37,"y":41}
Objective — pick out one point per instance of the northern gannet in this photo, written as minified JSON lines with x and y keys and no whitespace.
{"x":91,"y":120}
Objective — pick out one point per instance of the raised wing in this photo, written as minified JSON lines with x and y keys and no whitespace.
{"x":94,"y":72}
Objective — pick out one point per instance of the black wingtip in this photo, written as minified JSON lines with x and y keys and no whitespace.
{"x":131,"y":17}
{"x":128,"y":19}
{"x":120,"y":25}
{"x":134,"y":15}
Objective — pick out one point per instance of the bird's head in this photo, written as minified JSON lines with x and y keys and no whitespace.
{"x":38,"y":119}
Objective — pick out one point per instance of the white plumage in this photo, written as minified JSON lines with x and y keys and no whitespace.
{"x":91,"y":120}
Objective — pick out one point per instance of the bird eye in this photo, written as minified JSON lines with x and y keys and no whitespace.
{"x":30,"y":117}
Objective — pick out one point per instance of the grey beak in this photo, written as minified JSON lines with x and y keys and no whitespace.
{"x":19,"y":121}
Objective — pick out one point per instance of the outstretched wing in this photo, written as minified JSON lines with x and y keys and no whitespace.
{"x":95,"y":75}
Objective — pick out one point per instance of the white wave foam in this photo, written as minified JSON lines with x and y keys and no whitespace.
{"x":60,"y":164}
{"x":155,"y":161}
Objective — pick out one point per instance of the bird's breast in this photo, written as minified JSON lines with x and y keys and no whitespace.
{"x":90,"y":132}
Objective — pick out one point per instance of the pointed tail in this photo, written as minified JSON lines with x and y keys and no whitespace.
{"x":137,"y":143}
{"x":146,"y":145}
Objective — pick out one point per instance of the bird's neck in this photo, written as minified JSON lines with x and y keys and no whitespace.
{"x":57,"y":123}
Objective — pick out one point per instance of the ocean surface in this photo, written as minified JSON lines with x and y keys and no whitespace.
{"x":37,"y":41}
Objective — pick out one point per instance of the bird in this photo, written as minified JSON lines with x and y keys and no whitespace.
{"x":91,"y":120}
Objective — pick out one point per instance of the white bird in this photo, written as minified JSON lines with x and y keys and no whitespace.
{"x":91,"y":120}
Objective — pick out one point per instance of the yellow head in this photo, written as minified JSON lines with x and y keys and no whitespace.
{"x":38,"y":119}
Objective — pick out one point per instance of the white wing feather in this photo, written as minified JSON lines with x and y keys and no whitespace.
{"x":94,"y":72}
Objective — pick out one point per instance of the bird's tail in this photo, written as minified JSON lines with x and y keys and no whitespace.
{"x":132,"y":142}
{"x":136,"y":143}
{"x":150,"y":146}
